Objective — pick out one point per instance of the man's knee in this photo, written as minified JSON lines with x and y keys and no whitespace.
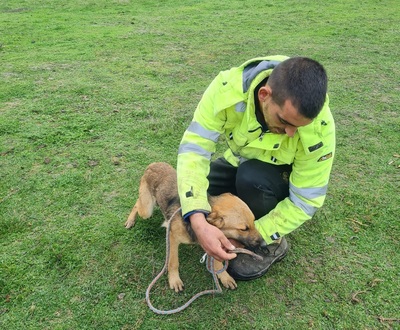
{"x":255,"y":172}
{"x":221,"y":178}
{"x":262,"y":185}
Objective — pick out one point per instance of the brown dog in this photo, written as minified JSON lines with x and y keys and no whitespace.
{"x":230,"y":214}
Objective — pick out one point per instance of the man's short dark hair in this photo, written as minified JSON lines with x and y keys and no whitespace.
{"x":301,"y":80}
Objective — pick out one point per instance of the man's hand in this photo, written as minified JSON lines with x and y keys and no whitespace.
{"x":211,"y":239}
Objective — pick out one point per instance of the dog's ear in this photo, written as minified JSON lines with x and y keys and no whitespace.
{"x":215,"y":219}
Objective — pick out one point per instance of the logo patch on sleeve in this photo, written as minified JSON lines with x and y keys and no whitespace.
{"x":315,"y":147}
{"x":325,"y":157}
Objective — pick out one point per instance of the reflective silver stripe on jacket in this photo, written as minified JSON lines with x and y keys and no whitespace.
{"x":240,"y":107}
{"x":309,"y":193}
{"x":196,"y":128}
{"x":192,"y":147}
{"x":308,"y":209}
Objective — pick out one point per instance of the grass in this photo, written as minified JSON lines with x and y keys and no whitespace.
{"x":93,"y":91}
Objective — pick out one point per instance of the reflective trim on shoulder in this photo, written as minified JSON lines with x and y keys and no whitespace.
{"x":192,"y":147}
{"x":196,"y":128}
{"x":309,"y":193}
{"x":240,"y":107}
{"x":308,"y":209}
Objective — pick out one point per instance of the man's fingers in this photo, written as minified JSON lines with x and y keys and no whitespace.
{"x":226,"y":255}
{"x":226,"y":243}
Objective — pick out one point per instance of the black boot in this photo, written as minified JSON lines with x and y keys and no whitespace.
{"x":245,"y":267}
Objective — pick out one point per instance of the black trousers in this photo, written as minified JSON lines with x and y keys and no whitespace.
{"x":260,"y":185}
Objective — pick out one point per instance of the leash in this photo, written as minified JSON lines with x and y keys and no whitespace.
{"x":210,"y":268}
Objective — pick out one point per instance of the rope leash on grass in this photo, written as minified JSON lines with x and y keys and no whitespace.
{"x":210,"y":265}
{"x":210,"y":268}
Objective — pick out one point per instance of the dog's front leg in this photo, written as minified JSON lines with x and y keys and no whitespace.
{"x":132,"y":218}
{"x":174,"y":279}
{"x":226,"y":279}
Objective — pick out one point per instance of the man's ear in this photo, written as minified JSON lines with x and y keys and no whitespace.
{"x":215,"y":219}
{"x":264,"y":92}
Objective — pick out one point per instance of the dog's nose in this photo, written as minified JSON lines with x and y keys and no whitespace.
{"x":263,"y":244}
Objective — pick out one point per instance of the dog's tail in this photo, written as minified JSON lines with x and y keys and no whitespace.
{"x":144,"y":205}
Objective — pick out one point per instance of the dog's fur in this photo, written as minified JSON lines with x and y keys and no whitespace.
{"x":158,"y":186}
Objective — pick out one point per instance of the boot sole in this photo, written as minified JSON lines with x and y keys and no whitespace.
{"x":253,"y":276}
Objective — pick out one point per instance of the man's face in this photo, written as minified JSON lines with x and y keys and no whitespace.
{"x":283,"y":119}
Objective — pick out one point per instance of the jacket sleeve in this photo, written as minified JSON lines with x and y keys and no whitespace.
{"x":196,"y":148}
{"x":308,"y":185}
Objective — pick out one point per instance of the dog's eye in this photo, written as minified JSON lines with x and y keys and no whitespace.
{"x":246,"y":229}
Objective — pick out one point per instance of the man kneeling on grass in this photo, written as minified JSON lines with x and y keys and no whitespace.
{"x":274,"y":114}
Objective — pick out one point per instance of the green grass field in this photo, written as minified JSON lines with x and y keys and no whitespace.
{"x":91,"y":92}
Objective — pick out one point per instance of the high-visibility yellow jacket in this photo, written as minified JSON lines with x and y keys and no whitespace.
{"x":227,"y":107}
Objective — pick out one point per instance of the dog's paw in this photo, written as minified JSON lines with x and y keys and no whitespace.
{"x":227,"y":281}
{"x":175,"y":283}
{"x":129,"y":223}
